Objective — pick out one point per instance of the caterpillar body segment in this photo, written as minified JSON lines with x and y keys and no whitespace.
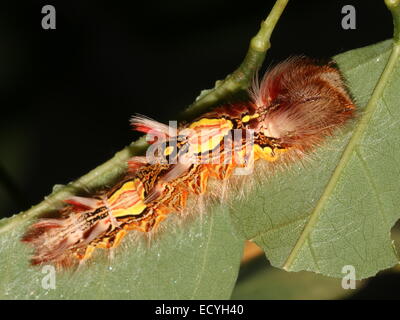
{"x":293,"y":109}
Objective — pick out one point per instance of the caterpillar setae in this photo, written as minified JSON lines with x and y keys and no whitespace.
{"x":295,"y":106}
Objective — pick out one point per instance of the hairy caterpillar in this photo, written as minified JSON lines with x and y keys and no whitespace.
{"x":292,"y":110}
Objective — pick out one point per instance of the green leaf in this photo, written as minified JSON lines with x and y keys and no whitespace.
{"x":195,"y":260}
{"x":335,"y":209}
{"x":338,"y":208}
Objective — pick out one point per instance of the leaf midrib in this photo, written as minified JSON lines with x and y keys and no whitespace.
{"x":347,"y":153}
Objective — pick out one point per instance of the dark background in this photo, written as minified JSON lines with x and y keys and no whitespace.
{"x":66,"y":95}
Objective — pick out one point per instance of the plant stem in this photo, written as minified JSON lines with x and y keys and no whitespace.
{"x":110,"y":171}
{"x":394,"y":7}
{"x":241,"y":78}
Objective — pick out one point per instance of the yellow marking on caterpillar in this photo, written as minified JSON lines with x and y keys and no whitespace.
{"x":208,"y":134}
{"x":128,"y":200}
{"x":267,"y":153}
{"x":247,"y":118}
{"x":118,"y":238}
{"x":168,"y":150}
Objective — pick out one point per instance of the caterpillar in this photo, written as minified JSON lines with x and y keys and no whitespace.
{"x":291,"y":111}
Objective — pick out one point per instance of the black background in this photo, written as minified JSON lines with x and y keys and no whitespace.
{"x":66,"y":95}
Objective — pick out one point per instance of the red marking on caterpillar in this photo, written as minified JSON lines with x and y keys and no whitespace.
{"x":292,"y":110}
